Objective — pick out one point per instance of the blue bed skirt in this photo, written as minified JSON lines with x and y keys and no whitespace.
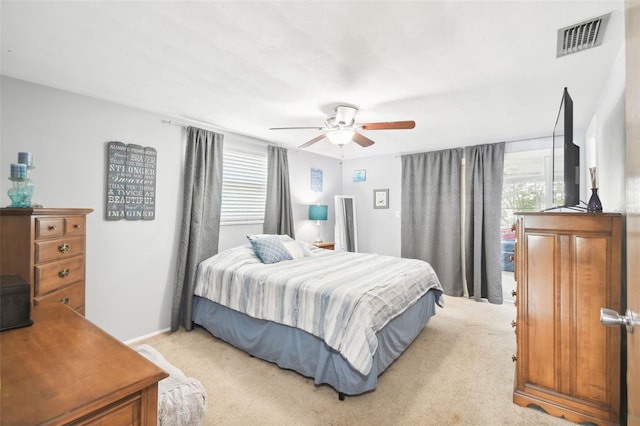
{"x":297,"y":350}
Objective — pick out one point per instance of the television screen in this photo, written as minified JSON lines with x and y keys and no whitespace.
{"x":566,"y":157}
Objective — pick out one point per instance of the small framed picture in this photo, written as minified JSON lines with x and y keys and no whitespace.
{"x":381,"y":198}
{"x":359,"y":175}
{"x":316,"y":180}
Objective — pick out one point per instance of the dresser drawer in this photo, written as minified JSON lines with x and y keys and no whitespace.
{"x":55,"y":275}
{"x":58,"y":249}
{"x":74,"y":225}
{"x":50,"y":227}
{"x":72,"y":295}
{"x":125,"y":412}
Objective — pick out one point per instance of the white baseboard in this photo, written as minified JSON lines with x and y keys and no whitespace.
{"x":146,"y":336}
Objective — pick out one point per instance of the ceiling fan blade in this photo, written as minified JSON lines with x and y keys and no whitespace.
{"x":311,"y":142}
{"x":361,"y":140}
{"x":389,"y":125}
{"x":296,"y":128}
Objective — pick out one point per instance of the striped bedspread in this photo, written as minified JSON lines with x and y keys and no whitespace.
{"x":343,"y":298}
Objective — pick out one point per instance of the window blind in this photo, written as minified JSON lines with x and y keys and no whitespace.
{"x":244,"y":187}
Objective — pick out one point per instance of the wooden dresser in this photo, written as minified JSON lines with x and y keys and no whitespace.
{"x":46,"y":247}
{"x":568,"y":266}
{"x":63,"y":369}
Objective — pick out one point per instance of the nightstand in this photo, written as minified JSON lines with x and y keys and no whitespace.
{"x":327,"y":245}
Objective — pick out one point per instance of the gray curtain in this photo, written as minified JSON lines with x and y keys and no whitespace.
{"x":278,"y":214}
{"x":200,"y":217}
{"x":484,"y":168}
{"x":431,"y":214}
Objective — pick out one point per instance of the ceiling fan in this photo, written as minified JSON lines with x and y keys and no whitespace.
{"x":340,"y":128}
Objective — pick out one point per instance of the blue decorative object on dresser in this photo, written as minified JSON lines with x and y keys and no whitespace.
{"x":22,"y":190}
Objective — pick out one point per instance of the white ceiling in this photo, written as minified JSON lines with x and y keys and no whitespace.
{"x":467,"y":72}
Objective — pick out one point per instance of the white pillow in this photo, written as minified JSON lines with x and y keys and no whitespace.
{"x":296,"y":249}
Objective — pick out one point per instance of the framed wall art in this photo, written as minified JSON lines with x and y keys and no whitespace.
{"x":359,"y":175}
{"x":381,"y":198}
{"x":131,"y":182}
{"x":316,"y":180}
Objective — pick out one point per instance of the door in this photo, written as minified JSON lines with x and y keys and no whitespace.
{"x":632,"y":95}
{"x":632,"y":171}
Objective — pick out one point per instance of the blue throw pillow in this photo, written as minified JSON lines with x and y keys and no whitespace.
{"x":269,"y":249}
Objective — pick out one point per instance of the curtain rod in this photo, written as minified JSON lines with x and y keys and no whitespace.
{"x":199,"y":123}
{"x":488,"y":143}
{"x":253,"y":139}
{"x":529,"y":139}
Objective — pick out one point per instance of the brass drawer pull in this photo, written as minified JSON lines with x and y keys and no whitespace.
{"x":76,"y":226}
{"x":65,"y":300}
{"x":513,"y":293}
{"x":64,"y":273}
{"x":514,"y":358}
{"x":52,"y":227}
{"x":64,"y":248}
{"x":513,"y":324}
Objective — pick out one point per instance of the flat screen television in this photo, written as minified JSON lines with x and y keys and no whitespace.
{"x":565,"y":158}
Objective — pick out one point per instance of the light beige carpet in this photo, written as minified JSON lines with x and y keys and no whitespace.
{"x":458,"y":371}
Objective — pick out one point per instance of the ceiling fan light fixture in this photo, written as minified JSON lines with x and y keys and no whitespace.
{"x":340,"y":137}
{"x":344,"y":115}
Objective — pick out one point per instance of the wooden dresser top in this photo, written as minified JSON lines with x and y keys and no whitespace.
{"x":63,"y":367}
{"x":9,"y":211}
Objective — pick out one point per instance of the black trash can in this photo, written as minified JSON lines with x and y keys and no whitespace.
{"x":15,"y":302}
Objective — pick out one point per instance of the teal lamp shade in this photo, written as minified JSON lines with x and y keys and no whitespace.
{"x":318,"y":212}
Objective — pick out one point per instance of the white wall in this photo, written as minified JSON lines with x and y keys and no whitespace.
{"x":378,"y":229}
{"x":300,"y":164}
{"x":130,"y":264}
{"x":606,"y":140}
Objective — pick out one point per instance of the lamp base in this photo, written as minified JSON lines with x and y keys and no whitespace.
{"x":318,"y":239}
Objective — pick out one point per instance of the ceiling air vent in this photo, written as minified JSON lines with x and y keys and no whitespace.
{"x":581,"y":36}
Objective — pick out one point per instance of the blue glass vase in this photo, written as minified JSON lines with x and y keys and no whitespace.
{"x":21,"y":193}
{"x":594,"y":206}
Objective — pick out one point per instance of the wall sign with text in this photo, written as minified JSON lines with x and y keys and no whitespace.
{"x":131,"y":182}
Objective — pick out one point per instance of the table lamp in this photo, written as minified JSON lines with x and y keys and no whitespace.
{"x":318,"y":212}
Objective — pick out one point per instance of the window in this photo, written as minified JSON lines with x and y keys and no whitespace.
{"x":244,"y":187}
{"x":526,"y":185}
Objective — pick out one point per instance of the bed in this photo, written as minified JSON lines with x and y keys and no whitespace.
{"x":340,"y":318}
